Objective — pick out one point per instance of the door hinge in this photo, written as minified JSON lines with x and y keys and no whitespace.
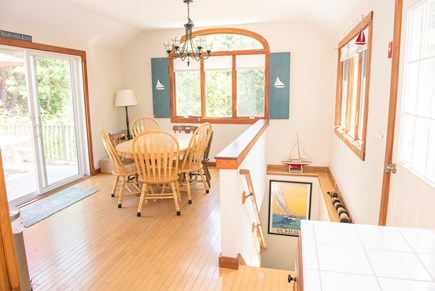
{"x":391,"y":168}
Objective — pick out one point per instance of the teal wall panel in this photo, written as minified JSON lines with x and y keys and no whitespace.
{"x":279,"y":98}
{"x":161,"y":103}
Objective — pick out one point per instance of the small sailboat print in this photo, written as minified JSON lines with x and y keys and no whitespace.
{"x":278,"y":83}
{"x":361,"y":38}
{"x":159,"y":86}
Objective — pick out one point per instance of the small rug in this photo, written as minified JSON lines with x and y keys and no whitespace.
{"x":43,"y":208}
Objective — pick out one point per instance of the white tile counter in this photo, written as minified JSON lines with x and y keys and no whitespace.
{"x":352,"y":257}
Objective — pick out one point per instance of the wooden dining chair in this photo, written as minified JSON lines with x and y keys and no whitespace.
{"x":117,"y":138}
{"x":184,"y":128}
{"x":205,"y":161}
{"x":120,"y":170}
{"x":192,"y":160}
{"x":156,"y":154}
{"x":143,"y":123}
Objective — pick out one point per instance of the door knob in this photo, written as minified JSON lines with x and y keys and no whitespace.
{"x":391,"y":168}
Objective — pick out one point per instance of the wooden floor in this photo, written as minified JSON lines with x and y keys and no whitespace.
{"x":93,"y":245}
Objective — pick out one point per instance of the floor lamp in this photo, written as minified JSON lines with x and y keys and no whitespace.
{"x":125,"y":98}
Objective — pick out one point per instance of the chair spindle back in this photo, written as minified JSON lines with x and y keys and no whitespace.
{"x":143,"y":123}
{"x":156,"y":154}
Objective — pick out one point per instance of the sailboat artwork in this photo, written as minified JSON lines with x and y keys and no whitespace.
{"x":159,"y":86}
{"x":289,"y":204}
{"x":296,"y":162}
{"x":281,"y":205}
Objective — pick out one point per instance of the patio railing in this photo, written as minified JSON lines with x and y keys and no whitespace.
{"x":58,"y":139}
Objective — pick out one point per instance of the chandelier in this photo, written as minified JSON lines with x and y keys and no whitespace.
{"x":192,"y":47}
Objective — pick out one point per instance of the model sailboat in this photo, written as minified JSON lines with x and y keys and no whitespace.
{"x":296,"y":162}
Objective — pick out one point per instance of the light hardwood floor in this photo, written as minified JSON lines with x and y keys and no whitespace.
{"x":93,"y":245}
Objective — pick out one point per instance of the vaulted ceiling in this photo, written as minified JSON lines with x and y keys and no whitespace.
{"x":113,"y":22}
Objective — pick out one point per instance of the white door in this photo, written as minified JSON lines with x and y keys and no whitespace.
{"x":412,"y":188}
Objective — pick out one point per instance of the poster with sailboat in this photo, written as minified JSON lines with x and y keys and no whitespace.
{"x":289,"y":203}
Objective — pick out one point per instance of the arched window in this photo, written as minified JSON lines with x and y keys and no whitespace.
{"x":228,"y":87}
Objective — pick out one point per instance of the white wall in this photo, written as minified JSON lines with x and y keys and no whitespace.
{"x":237,"y":218}
{"x":312,"y":88}
{"x":104,"y":68}
{"x":312,"y":91}
{"x":361,"y":181}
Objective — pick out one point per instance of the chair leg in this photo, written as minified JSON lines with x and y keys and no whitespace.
{"x":189,"y":194}
{"x":174,"y":193}
{"x":177,"y":186}
{"x":141,"y":199}
{"x":115,"y":184}
{"x":121,"y":191}
{"x":204,"y":181}
{"x":207,"y":173}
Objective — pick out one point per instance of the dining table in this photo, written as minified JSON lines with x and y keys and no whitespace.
{"x":125,"y":149}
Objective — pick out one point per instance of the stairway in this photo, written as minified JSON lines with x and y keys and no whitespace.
{"x":253,"y":278}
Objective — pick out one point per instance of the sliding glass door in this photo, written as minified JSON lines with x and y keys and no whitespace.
{"x":16,"y":130}
{"x":41,"y":135}
{"x":55,"y":124}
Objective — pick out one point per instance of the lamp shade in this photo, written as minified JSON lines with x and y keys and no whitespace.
{"x":125,"y":97}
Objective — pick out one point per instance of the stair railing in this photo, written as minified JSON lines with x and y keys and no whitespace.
{"x":256,"y":226}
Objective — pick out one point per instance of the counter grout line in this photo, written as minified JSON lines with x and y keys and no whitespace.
{"x":317,"y":258}
{"x":368,"y":259}
{"x":418,"y":258}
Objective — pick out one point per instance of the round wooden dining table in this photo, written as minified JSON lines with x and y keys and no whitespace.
{"x":125,"y":149}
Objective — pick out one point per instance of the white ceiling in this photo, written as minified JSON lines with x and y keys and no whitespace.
{"x":114,"y":22}
{"x":147,"y":14}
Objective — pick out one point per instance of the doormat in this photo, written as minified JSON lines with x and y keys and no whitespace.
{"x":46,"y":207}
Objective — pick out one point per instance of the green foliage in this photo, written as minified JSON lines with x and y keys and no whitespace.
{"x":13,"y":92}
{"x":188,"y":93}
{"x":53,"y":86}
{"x":232,"y":42}
{"x":219,"y":93}
{"x":250,"y":92}
{"x":219,"y":84}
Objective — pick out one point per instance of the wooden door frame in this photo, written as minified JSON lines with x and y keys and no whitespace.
{"x":394,"y":84}
{"x":82,"y":55}
{"x":9,"y":272}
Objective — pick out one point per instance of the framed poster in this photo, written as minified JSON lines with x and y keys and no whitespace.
{"x":289,"y":203}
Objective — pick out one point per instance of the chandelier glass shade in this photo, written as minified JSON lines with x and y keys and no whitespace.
{"x":192,"y":47}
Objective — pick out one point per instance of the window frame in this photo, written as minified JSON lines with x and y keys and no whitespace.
{"x":356,"y":143}
{"x":234,"y":118}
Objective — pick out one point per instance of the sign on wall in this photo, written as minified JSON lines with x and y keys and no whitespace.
{"x":14,"y":35}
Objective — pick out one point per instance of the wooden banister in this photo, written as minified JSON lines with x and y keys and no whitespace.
{"x":256,"y":226}
{"x":233,"y":155}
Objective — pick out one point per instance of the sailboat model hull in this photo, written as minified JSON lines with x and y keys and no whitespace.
{"x":296,"y":162}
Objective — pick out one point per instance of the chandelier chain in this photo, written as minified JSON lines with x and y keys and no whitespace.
{"x":192,"y":47}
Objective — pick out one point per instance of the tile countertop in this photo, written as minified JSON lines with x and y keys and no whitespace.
{"x":354,"y":257}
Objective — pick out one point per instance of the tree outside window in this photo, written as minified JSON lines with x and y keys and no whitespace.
{"x":229,"y":86}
